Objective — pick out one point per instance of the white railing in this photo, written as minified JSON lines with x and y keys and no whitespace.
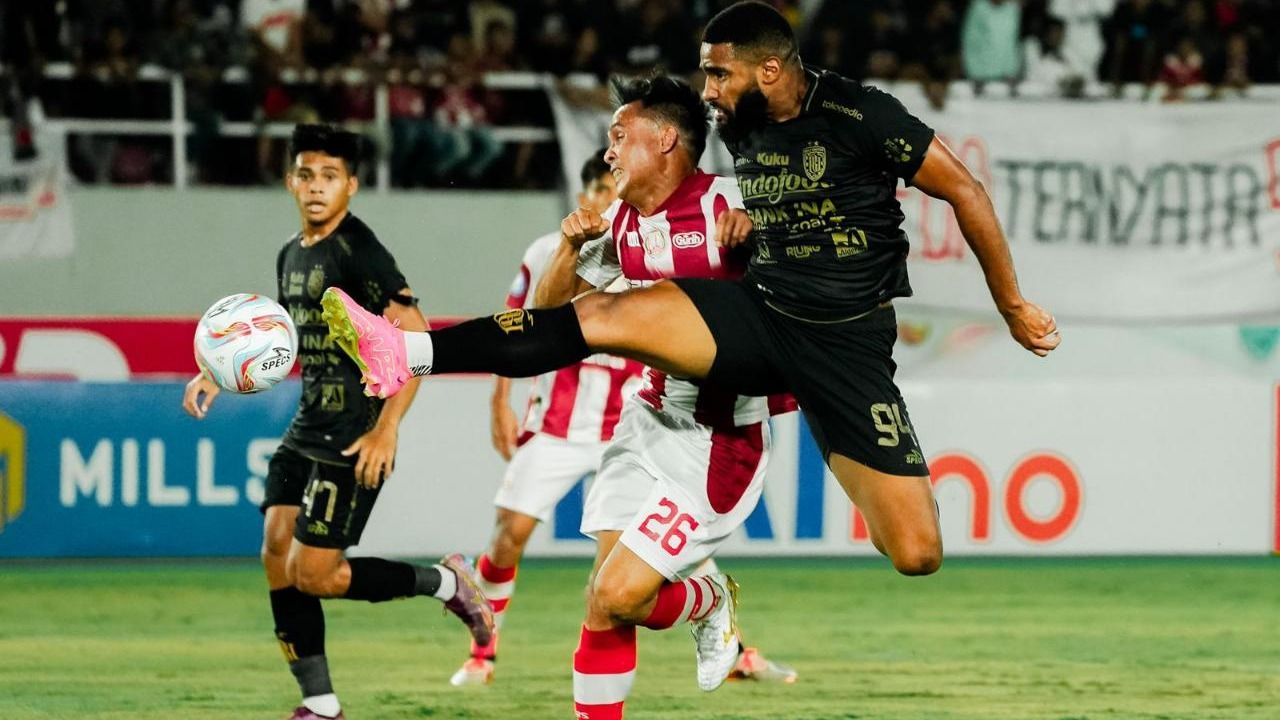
{"x":177,"y":127}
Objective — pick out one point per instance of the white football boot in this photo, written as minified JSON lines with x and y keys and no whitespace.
{"x":475,"y":671}
{"x":717,"y":635}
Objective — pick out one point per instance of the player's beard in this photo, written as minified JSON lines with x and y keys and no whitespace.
{"x":751,"y":114}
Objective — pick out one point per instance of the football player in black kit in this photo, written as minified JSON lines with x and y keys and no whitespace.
{"x":340,"y":448}
{"x":818,"y":159}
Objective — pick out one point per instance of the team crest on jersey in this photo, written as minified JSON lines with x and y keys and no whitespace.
{"x":688,"y":239}
{"x":315,"y":282}
{"x":815,"y":161}
{"x":655,"y":242}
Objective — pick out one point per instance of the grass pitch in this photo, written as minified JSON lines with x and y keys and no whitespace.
{"x":982,"y":640}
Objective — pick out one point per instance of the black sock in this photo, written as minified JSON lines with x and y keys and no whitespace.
{"x":426,"y":580}
{"x":299,"y":623}
{"x":516,"y":343}
{"x":312,"y":674}
{"x":378,"y":580}
{"x":300,"y":630}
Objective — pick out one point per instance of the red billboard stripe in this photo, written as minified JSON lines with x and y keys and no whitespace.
{"x":150,"y":345}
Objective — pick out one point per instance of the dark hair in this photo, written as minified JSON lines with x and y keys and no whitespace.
{"x":594,"y":167}
{"x":328,"y":139}
{"x":753,"y":27}
{"x":670,"y":99}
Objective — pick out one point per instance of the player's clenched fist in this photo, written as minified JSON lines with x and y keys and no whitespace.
{"x":582,"y":225}
{"x":732,"y":228}
{"x":1034,"y":328}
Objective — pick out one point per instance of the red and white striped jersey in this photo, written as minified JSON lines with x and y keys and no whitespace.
{"x":582,"y":402}
{"x":676,"y":240}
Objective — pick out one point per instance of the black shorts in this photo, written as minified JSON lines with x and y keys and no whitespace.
{"x":841,"y":373}
{"x":334,"y":507}
{"x":287,"y":476}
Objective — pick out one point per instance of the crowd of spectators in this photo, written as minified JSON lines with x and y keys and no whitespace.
{"x":296,"y":60}
{"x":1061,"y":45}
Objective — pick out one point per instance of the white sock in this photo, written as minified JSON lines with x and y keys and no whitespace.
{"x":448,"y":583}
{"x":326,"y":705}
{"x":419,"y":351}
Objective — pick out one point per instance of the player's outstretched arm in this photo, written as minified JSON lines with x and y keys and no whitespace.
{"x":191,"y":397}
{"x":943,"y":176}
{"x":560,"y":282}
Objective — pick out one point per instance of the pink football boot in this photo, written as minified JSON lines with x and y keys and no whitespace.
{"x":371,"y":340}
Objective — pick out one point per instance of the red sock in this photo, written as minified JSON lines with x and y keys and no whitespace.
{"x":686,"y":601}
{"x":603,"y":669}
{"x":498,"y":584}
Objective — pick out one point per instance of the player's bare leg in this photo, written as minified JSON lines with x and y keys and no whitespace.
{"x":625,"y":591}
{"x":510,"y":536}
{"x":277,"y":536}
{"x":605,"y":540}
{"x":321,"y":572}
{"x":751,"y":664}
{"x":901,"y":515}
{"x":657,"y":325}
{"x":496,"y":576}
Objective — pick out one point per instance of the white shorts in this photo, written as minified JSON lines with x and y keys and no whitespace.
{"x":542,"y":471}
{"x":675,"y":490}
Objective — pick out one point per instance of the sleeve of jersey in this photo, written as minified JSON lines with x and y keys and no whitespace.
{"x":377,"y":275}
{"x":531,"y":267}
{"x":518,"y":293}
{"x":727,"y":188}
{"x":888,"y":134}
{"x":534,"y":265}
{"x":598,"y":259}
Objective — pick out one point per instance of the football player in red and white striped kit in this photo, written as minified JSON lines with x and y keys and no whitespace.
{"x":569,"y":422}
{"x":687,"y":462}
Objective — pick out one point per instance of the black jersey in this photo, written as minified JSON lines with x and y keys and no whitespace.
{"x":334,"y":410}
{"x":821,"y":192}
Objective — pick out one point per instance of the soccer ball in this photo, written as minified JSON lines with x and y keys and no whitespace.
{"x":246,"y":343}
